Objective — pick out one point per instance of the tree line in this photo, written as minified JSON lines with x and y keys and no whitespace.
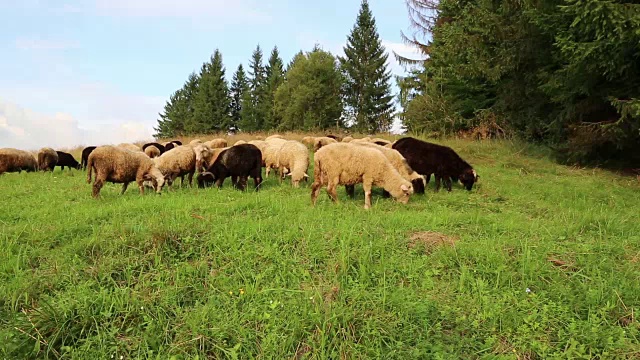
{"x":561,"y":72}
{"x":314,"y":91}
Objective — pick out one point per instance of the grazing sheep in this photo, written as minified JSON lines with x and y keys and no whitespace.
{"x":347,"y":139}
{"x":180,"y":161}
{"x":364,"y":139}
{"x":85,"y":156}
{"x":195,"y":142}
{"x":117,"y":165}
{"x":308,"y":140}
{"x":293,"y":155}
{"x":400,"y":164}
{"x":239,"y":162}
{"x":158,"y":146}
{"x":259,"y":137}
{"x":66,"y":159}
{"x":239,"y":142}
{"x":130,"y":147}
{"x":260,"y":144}
{"x":428,"y":158}
{"x":177,"y":142}
{"x":275,"y":136}
{"x":322,"y":141}
{"x":347,"y":164}
{"x":152,"y":151}
{"x":14,"y":160}
{"x":47,"y":159}
{"x":381,"y":142}
{"x":270,"y":154}
{"x":334,"y":137}
{"x":216,"y":143}
{"x":169,"y":146}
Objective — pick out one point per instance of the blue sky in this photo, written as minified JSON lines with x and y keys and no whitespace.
{"x":98,"y":71}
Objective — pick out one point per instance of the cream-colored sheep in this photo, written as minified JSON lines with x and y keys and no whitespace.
{"x":117,"y":165}
{"x":390,"y":145}
{"x":259,"y":137}
{"x":275,"y":136}
{"x":216,"y":143}
{"x":12,"y":160}
{"x":47,"y":159}
{"x":322,"y":141}
{"x":260,"y":144}
{"x":308,"y":140}
{"x":239,"y":142}
{"x":131,"y":147}
{"x":152,"y":151}
{"x":293,"y":155}
{"x":180,"y":161}
{"x":195,"y":142}
{"x":347,"y":164}
{"x":347,"y":139}
{"x":400,"y":164}
{"x":364,"y":139}
{"x":270,"y":154}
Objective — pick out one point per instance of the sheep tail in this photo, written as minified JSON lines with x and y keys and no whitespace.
{"x":89,"y":169}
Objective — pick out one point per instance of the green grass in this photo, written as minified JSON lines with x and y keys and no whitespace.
{"x":214,"y":273}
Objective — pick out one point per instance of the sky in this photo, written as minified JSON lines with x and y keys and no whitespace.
{"x":93,"y":72}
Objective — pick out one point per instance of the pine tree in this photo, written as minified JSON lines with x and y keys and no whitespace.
{"x":367,"y":90}
{"x":239,"y":87}
{"x":179,"y":109}
{"x":252,"y":113}
{"x":212,"y":104}
{"x":274,"y":78}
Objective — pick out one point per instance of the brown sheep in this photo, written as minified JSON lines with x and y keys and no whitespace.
{"x":216,"y":143}
{"x":152,"y":151}
{"x":130,"y":147}
{"x":347,"y":164}
{"x":12,"y":160}
{"x":47,"y":159}
{"x":117,"y":165}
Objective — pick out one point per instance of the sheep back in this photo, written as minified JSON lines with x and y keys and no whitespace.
{"x":47,"y":159}
{"x":14,"y":160}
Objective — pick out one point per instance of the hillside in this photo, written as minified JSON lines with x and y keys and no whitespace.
{"x":539,"y":260}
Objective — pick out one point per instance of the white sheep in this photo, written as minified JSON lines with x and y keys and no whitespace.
{"x":321,"y":141}
{"x":293,"y":155}
{"x":180,"y":161}
{"x":275,"y":136}
{"x":216,"y":143}
{"x":270,"y":154}
{"x":347,"y":139}
{"x":195,"y":142}
{"x":118,"y":165}
{"x":239,"y":142}
{"x":347,"y":164}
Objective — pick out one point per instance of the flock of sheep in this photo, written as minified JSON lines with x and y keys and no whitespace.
{"x":401,"y":168}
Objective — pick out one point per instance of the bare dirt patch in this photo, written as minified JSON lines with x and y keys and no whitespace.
{"x":430,"y":240}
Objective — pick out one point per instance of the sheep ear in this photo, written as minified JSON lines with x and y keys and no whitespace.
{"x":404,"y":188}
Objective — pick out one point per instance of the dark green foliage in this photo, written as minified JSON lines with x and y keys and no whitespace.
{"x":254,"y":110}
{"x":310,"y":98}
{"x":274,"y":78}
{"x":212,"y":103}
{"x":179,"y":109}
{"x":367,"y":87}
{"x":239,"y":87}
{"x":562,"y":72}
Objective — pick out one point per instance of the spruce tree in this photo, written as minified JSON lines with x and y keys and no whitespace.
{"x":179,"y":109}
{"x":239,"y":87}
{"x":274,"y":78}
{"x":367,"y":90}
{"x":252,"y":111}
{"x":212,"y":103}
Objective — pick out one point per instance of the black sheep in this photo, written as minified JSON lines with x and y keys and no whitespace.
{"x":239,"y":162}
{"x":177,"y":142}
{"x":427,"y":158}
{"x":66,"y":159}
{"x":169,"y":146}
{"x":85,"y":156}
{"x":160,"y":147}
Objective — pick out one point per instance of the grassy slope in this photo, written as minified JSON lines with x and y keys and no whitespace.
{"x":219,"y":273}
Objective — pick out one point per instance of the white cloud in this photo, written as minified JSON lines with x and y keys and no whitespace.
{"x":44,"y":44}
{"x":29,"y":130}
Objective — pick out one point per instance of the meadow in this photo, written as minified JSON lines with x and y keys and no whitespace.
{"x":538,"y":261}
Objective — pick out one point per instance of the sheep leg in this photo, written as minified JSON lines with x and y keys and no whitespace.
{"x":351,"y":190}
{"x":267,"y":170}
{"x":141,"y":186}
{"x":438,"y":179}
{"x":190,"y":178}
{"x":447,"y":183}
{"x":219,"y":182}
{"x":385,"y":194}
{"x":282,"y":175}
{"x":331,"y":190}
{"x":315,"y":190}
{"x":124,"y":188}
{"x":242,"y":182}
{"x":97,"y":185}
{"x":367,"y":194}
{"x":234,"y":181}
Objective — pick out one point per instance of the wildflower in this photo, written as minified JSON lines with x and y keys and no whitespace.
{"x":528,"y":290}
{"x":241,"y":291}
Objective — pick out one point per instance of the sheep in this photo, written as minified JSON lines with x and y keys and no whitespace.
{"x":322,"y":141}
{"x":47,"y":159}
{"x":364,"y":139}
{"x":130,"y":147}
{"x":66,"y":159}
{"x":347,"y":139}
{"x":381,"y":142}
{"x":259,"y":137}
{"x":239,"y":162}
{"x":400,"y":164}
{"x":308,"y":140}
{"x":239,"y":142}
{"x":12,"y":160}
{"x":336,"y":138}
{"x":158,"y":146}
{"x":216,"y":143}
{"x":85,"y":156}
{"x":177,"y":142}
{"x":117,"y":165}
{"x":270,"y":154}
{"x":152,"y":151}
{"x":347,"y":164}
{"x":294,"y":156}
{"x":180,"y":161}
{"x":169,"y":146}
{"x":275,"y":136}
{"x":428,"y":158}
{"x":195,"y":142}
